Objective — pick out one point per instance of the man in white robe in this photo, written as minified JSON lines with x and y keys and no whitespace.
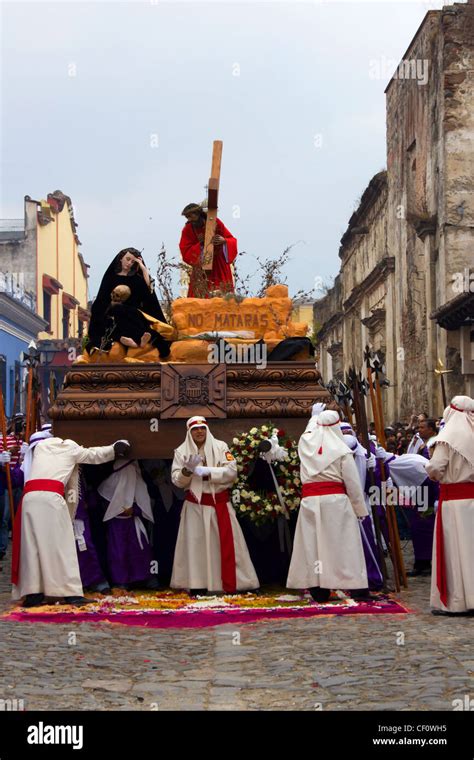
{"x":327,"y":550}
{"x":211,"y":553}
{"x":44,"y":561}
{"x":452,"y":464}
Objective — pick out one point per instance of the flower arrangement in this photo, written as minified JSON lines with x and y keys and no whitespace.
{"x":263,"y":506}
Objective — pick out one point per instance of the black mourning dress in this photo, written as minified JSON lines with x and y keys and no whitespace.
{"x":141,"y":298}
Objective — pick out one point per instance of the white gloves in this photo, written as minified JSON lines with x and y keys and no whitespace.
{"x":380,"y":453}
{"x":200,"y":470}
{"x":371,"y":462}
{"x":317,"y":409}
{"x":277,"y":453}
{"x":192,"y":462}
{"x":5,"y":457}
{"x":24,"y":448}
{"x":389,"y":482}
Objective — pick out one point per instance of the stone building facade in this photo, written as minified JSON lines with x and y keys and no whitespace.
{"x":405,"y":284}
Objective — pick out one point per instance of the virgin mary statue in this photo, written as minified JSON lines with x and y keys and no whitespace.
{"x":127,"y":268}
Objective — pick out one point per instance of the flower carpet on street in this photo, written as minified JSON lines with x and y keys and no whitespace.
{"x":169,"y":609}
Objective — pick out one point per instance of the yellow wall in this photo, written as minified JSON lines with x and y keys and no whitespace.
{"x":57,"y":256}
{"x":303,"y":313}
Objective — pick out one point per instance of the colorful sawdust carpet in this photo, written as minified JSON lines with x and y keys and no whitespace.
{"x":169,"y":609}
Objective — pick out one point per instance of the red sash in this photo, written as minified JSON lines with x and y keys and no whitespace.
{"x":226,"y":537}
{"x":447,"y":492}
{"x":322,"y":488}
{"x":31,"y":485}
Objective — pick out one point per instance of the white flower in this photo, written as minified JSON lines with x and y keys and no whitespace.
{"x":254,"y":430}
{"x":264,"y":428}
{"x":235,"y":440}
{"x":269,"y":508}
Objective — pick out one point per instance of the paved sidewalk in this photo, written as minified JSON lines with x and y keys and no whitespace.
{"x":377,"y":662}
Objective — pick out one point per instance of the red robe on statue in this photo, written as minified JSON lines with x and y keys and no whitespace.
{"x":220,"y":276}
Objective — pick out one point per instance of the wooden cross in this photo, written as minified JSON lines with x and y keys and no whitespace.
{"x":212,"y":202}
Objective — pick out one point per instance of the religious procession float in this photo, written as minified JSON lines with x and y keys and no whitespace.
{"x":234,"y":376}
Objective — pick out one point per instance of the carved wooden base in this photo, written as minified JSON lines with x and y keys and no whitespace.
{"x":149,"y":405}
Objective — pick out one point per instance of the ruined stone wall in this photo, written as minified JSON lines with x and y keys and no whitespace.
{"x":409,"y":241}
{"x":415,"y":166}
{"x":456,"y":212}
{"x":430,"y":162}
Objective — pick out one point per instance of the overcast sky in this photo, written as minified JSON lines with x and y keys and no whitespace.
{"x":88,"y":89}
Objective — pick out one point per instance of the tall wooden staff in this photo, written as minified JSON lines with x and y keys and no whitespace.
{"x":441,"y":372}
{"x":399,"y":566}
{"x":3,"y":422}
{"x":356,"y":385}
{"x":38,"y":404}
{"x":29,"y":403}
{"x":343,"y":396}
{"x":52,"y":388}
{"x":373,"y":402}
{"x":15,"y":397}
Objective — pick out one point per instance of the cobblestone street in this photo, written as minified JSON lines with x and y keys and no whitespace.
{"x":376,"y":662}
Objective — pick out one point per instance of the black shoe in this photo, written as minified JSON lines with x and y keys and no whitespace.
{"x":2,"y":555}
{"x":100,"y":588}
{"x":197,"y":591}
{"x":319,"y":594}
{"x":443,"y":613}
{"x":422,"y":570}
{"x":33,"y":600}
{"x":361,"y":595}
{"x":152,"y":584}
{"x":78,"y":601}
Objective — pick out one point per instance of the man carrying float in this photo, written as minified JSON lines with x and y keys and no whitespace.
{"x":327,"y":551}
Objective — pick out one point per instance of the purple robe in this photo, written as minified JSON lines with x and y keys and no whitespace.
{"x":89,"y":565}
{"x":421,"y":524}
{"x":371,"y":555}
{"x":380,"y":510}
{"x":127,"y":561}
{"x":16,"y":476}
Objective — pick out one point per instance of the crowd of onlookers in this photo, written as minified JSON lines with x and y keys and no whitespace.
{"x":399,"y":434}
